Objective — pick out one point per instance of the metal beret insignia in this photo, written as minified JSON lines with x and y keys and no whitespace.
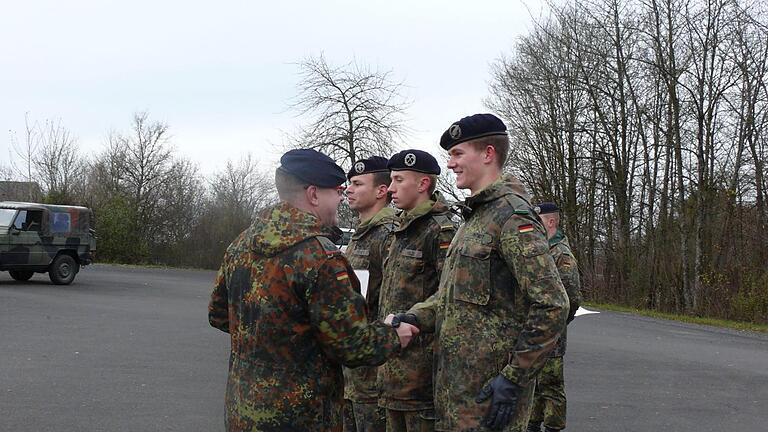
{"x":454,"y":131}
{"x":410,"y":159}
{"x":359,"y":167}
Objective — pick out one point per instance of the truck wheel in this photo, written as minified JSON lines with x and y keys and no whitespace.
{"x":21,"y":275}
{"x":63,"y":270}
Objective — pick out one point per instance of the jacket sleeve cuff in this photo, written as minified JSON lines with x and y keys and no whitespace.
{"x":521,"y":377}
{"x":426,"y":318}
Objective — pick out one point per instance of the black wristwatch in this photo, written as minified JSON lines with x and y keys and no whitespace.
{"x":396,"y":321}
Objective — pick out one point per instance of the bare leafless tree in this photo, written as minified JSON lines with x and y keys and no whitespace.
{"x":6,"y":173}
{"x":354,"y":111}
{"x":25,"y":152}
{"x":242,"y":188}
{"x":58,"y":163}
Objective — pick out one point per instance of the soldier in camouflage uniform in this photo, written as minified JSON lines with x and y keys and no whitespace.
{"x":411,"y":274}
{"x":286,"y":296}
{"x":501,"y":306}
{"x":367,"y":194}
{"x":549,"y":405}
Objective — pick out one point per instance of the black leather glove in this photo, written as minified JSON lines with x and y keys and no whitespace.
{"x":503,"y":404}
{"x":404,"y":318}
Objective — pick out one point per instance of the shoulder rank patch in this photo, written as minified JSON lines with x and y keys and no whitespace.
{"x":522,"y":229}
{"x":328,"y":246}
{"x":521,"y":212}
{"x":445,"y":223}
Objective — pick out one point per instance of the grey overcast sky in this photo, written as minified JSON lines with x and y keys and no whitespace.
{"x":222,"y":74}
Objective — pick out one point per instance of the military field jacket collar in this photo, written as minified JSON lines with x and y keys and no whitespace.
{"x":558,"y":238}
{"x":281,"y":226}
{"x":385,"y":215}
{"x":434,"y":205}
{"x":505,"y":185}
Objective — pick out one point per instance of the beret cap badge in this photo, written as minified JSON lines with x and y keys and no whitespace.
{"x":410,"y":159}
{"x":373,"y":164}
{"x":455,"y":131}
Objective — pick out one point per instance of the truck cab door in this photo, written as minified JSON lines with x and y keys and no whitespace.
{"x":26,"y":247}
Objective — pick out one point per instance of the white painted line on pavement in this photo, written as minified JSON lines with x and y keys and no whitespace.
{"x":582,"y":311}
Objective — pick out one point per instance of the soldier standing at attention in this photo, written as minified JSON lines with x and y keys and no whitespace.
{"x":367,"y":195}
{"x":411,"y":274}
{"x":286,"y":296}
{"x":549,"y":406}
{"x":501,"y":305}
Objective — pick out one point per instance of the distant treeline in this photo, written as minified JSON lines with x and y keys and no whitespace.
{"x":646,"y":121}
{"x":150,"y":205}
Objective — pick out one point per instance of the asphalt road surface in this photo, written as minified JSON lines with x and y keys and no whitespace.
{"x":130,"y":349}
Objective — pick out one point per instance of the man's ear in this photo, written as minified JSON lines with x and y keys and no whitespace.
{"x":381,"y":191}
{"x":423,"y":184}
{"x":489,"y":155}
{"x":551,"y":222}
{"x":311,"y":195}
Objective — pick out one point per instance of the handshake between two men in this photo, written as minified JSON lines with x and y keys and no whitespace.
{"x":406,"y":325}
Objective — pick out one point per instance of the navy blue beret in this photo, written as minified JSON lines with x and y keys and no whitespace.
{"x":472,"y":127}
{"x":373,"y":164}
{"x":414,"y":160}
{"x":313,"y":167}
{"x":547,"y":207}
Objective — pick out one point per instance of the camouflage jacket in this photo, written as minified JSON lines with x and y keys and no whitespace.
{"x":286,"y":296}
{"x":411,"y":274}
{"x":366,"y":251}
{"x":560,"y":249}
{"x":500,"y":307}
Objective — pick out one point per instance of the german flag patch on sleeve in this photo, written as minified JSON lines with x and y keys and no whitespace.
{"x":340,"y":276}
{"x":522,"y":229}
{"x":445,"y":244}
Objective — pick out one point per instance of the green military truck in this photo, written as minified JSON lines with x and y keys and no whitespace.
{"x":40,"y":238}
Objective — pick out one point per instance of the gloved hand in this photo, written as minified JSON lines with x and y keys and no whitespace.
{"x":403,"y":317}
{"x":503,"y":404}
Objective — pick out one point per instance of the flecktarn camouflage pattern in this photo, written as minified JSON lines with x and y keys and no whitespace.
{"x":500,"y":307}
{"x":568,"y":269}
{"x":549,"y":406}
{"x":288,"y":299}
{"x":411,"y":274}
{"x":366,"y":251}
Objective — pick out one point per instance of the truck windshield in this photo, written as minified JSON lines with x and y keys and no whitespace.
{"x":6,"y":217}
